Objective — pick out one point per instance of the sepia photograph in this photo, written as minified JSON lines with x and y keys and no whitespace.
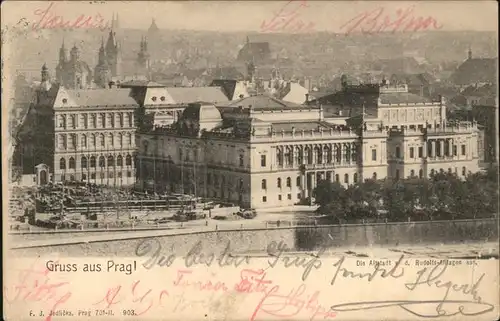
{"x":250,"y":160}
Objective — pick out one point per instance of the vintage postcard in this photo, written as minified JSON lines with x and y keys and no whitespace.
{"x":250,"y":160}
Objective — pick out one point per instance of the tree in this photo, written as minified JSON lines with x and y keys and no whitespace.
{"x":331,"y":198}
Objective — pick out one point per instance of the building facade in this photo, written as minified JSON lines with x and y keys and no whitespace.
{"x":94,"y":136}
{"x":262,"y":152}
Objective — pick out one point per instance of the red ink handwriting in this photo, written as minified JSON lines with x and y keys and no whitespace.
{"x":142,"y":298}
{"x":49,"y":20}
{"x":378,"y":20}
{"x":208,"y":285}
{"x":287,"y":19}
{"x":295,"y":302}
{"x":35,"y":285}
{"x":250,"y":282}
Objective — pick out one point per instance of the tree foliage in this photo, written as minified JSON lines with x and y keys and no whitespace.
{"x":443,"y":196}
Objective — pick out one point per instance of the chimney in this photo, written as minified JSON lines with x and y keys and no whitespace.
{"x":307,"y":98}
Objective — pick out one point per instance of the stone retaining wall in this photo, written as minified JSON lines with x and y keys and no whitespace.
{"x":297,"y":238}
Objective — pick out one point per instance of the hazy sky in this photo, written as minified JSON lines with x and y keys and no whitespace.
{"x":249,"y":15}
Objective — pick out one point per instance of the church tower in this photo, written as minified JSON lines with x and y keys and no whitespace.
{"x":102,"y":72}
{"x":63,"y":60}
{"x":113,"y":54}
{"x":143,"y":61}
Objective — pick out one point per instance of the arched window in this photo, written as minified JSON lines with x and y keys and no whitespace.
{"x":412,"y":173}
{"x":128,"y":160}
{"x":93,"y":118}
{"x":374,"y":176}
{"x":102,"y":120}
{"x":111,"y":161}
{"x":85,"y":121}
{"x":120,"y":140}
{"x":346,"y":178}
{"x":84,"y":141}
{"x":62,"y":121}
{"x":62,"y":141}
{"x":72,"y":163}
{"x":102,"y":161}
{"x":119,"y":161}
{"x":72,"y":141}
{"x":297,"y":181}
{"x":319,"y":155}
{"x":279,"y":156}
{"x":464,"y":171}
{"x":130,"y":119}
{"x":355,"y":178}
{"x":278,"y":183}
{"x":264,"y":184}
{"x":120,"y":119}
{"x":102,"y":142}
{"x":72,"y":120}
{"x":288,"y":182}
{"x":398,"y":152}
{"x":62,"y":163}
{"x":92,"y":161}
{"x":84,"y":162}
{"x":112,"y":120}
{"x":110,"y":140}
{"x":337,"y":178}
{"x":421,"y":173}
{"x":129,"y":139}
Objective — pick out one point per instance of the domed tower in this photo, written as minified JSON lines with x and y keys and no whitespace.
{"x":45,"y":85}
{"x":102,"y":72}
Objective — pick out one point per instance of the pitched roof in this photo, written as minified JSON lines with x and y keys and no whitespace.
{"x":140,"y":83}
{"x":94,"y":97}
{"x":254,"y":50}
{"x":422,"y":79}
{"x":476,"y":70}
{"x":402,"y":98}
{"x":185,"y":95}
{"x":263,"y":102}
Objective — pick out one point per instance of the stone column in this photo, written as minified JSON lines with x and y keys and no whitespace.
{"x":433,"y":149}
{"x":332,"y":176}
{"x":441,"y":145}
{"x":303,"y":184}
{"x":450,"y":147}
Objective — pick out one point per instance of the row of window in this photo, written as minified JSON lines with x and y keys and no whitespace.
{"x":439,"y":152}
{"x":433,"y":172}
{"x":102,"y":162}
{"x":317,"y":155}
{"x":102,"y":175}
{"x":298,"y":180}
{"x":101,"y":120}
{"x":94,"y":140}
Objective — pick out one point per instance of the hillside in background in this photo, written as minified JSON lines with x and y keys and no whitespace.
{"x":326,"y":51}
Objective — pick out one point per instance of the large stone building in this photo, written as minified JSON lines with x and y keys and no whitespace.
{"x":78,"y":135}
{"x":94,"y":136}
{"x":263,"y":152}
